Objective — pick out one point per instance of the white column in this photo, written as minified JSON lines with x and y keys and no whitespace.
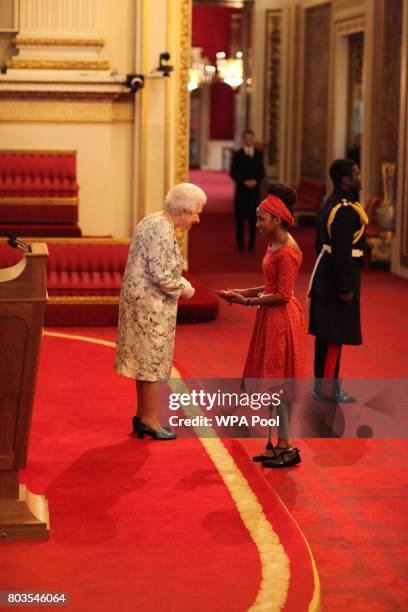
{"x":58,"y":18}
{"x":58,"y":35}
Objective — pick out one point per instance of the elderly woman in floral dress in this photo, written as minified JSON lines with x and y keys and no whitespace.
{"x":151,"y":286}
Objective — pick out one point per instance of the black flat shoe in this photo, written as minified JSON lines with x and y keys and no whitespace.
{"x":340,"y":397}
{"x":262,"y":458}
{"x":136,"y":421}
{"x":286,"y":458}
{"x":162,"y":434}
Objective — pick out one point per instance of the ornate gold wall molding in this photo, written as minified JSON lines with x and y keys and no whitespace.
{"x":65,"y":111}
{"x":123,"y":111}
{"x":273,"y":91}
{"x":65,"y":42}
{"x":184,"y":16}
{"x":58,"y":64}
{"x":314,"y":103}
{"x":184,"y":13}
{"x":350,"y":26}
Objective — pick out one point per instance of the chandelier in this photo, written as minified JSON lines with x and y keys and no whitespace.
{"x":201,"y":72}
{"x":230,"y":70}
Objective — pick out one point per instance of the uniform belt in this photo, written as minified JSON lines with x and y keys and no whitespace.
{"x":354,"y":252}
{"x":327,"y":249}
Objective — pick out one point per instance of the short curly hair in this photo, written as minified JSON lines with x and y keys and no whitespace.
{"x":341,"y":168}
{"x":184,"y":197}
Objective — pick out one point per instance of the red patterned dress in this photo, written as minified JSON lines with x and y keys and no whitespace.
{"x":277,"y":348}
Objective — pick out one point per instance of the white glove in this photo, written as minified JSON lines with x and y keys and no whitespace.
{"x":188,"y":291}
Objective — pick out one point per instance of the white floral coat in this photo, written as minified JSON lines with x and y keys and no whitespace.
{"x":151,"y":286}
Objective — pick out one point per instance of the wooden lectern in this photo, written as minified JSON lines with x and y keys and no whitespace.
{"x":23,"y":298}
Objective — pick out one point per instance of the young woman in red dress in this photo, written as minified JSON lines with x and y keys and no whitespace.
{"x":277,"y":348}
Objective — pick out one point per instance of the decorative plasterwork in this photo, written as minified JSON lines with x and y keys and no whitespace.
{"x":183,"y":14}
{"x":58,"y":18}
{"x":65,"y":111}
{"x":60,"y":36}
{"x":344,"y":28}
{"x":57,"y":64}
{"x":272,"y":103}
{"x":69,"y":42}
{"x":182,"y":67}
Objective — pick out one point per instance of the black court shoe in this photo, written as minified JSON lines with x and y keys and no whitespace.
{"x":143,"y":430}
{"x":136,"y":421}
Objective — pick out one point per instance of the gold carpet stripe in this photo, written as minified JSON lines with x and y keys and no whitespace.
{"x":83,"y":338}
{"x":275,"y":568}
{"x":275,"y":565}
{"x":315,"y":603}
{"x":275,"y":578}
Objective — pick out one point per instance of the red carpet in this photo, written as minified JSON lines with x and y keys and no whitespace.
{"x":219,"y":188}
{"x":348,"y":496}
{"x":134,"y":524}
{"x":155,"y":525}
{"x":352,"y":514}
{"x":342,"y":496}
{"x":218,"y":349}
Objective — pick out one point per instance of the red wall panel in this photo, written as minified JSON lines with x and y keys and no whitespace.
{"x":212,"y":30}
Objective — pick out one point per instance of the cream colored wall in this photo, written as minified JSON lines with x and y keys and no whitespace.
{"x":104,"y":154}
{"x":122,"y":165}
{"x":117,"y":26}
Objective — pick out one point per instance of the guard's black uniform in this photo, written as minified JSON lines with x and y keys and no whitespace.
{"x":332,"y":320}
{"x":244,"y":168}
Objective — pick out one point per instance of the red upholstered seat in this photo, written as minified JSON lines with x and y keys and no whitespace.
{"x":86,"y":269}
{"x":373,"y":203}
{"x":36,"y":188}
{"x":38,"y":174}
{"x":84,"y":280}
{"x":310,"y":196}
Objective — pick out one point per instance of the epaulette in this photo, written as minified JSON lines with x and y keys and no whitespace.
{"x":359,"y":210}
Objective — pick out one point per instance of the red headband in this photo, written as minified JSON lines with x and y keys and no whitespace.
{"x":277,"y":208}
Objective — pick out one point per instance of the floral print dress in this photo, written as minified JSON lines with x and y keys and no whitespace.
{"x":151,"y":286}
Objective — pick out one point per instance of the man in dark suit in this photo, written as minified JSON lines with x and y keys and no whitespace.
{"x":335,"y":284}
{"x":247,"y":170}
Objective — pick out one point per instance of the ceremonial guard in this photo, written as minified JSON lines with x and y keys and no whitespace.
{"x":334,"y":288}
